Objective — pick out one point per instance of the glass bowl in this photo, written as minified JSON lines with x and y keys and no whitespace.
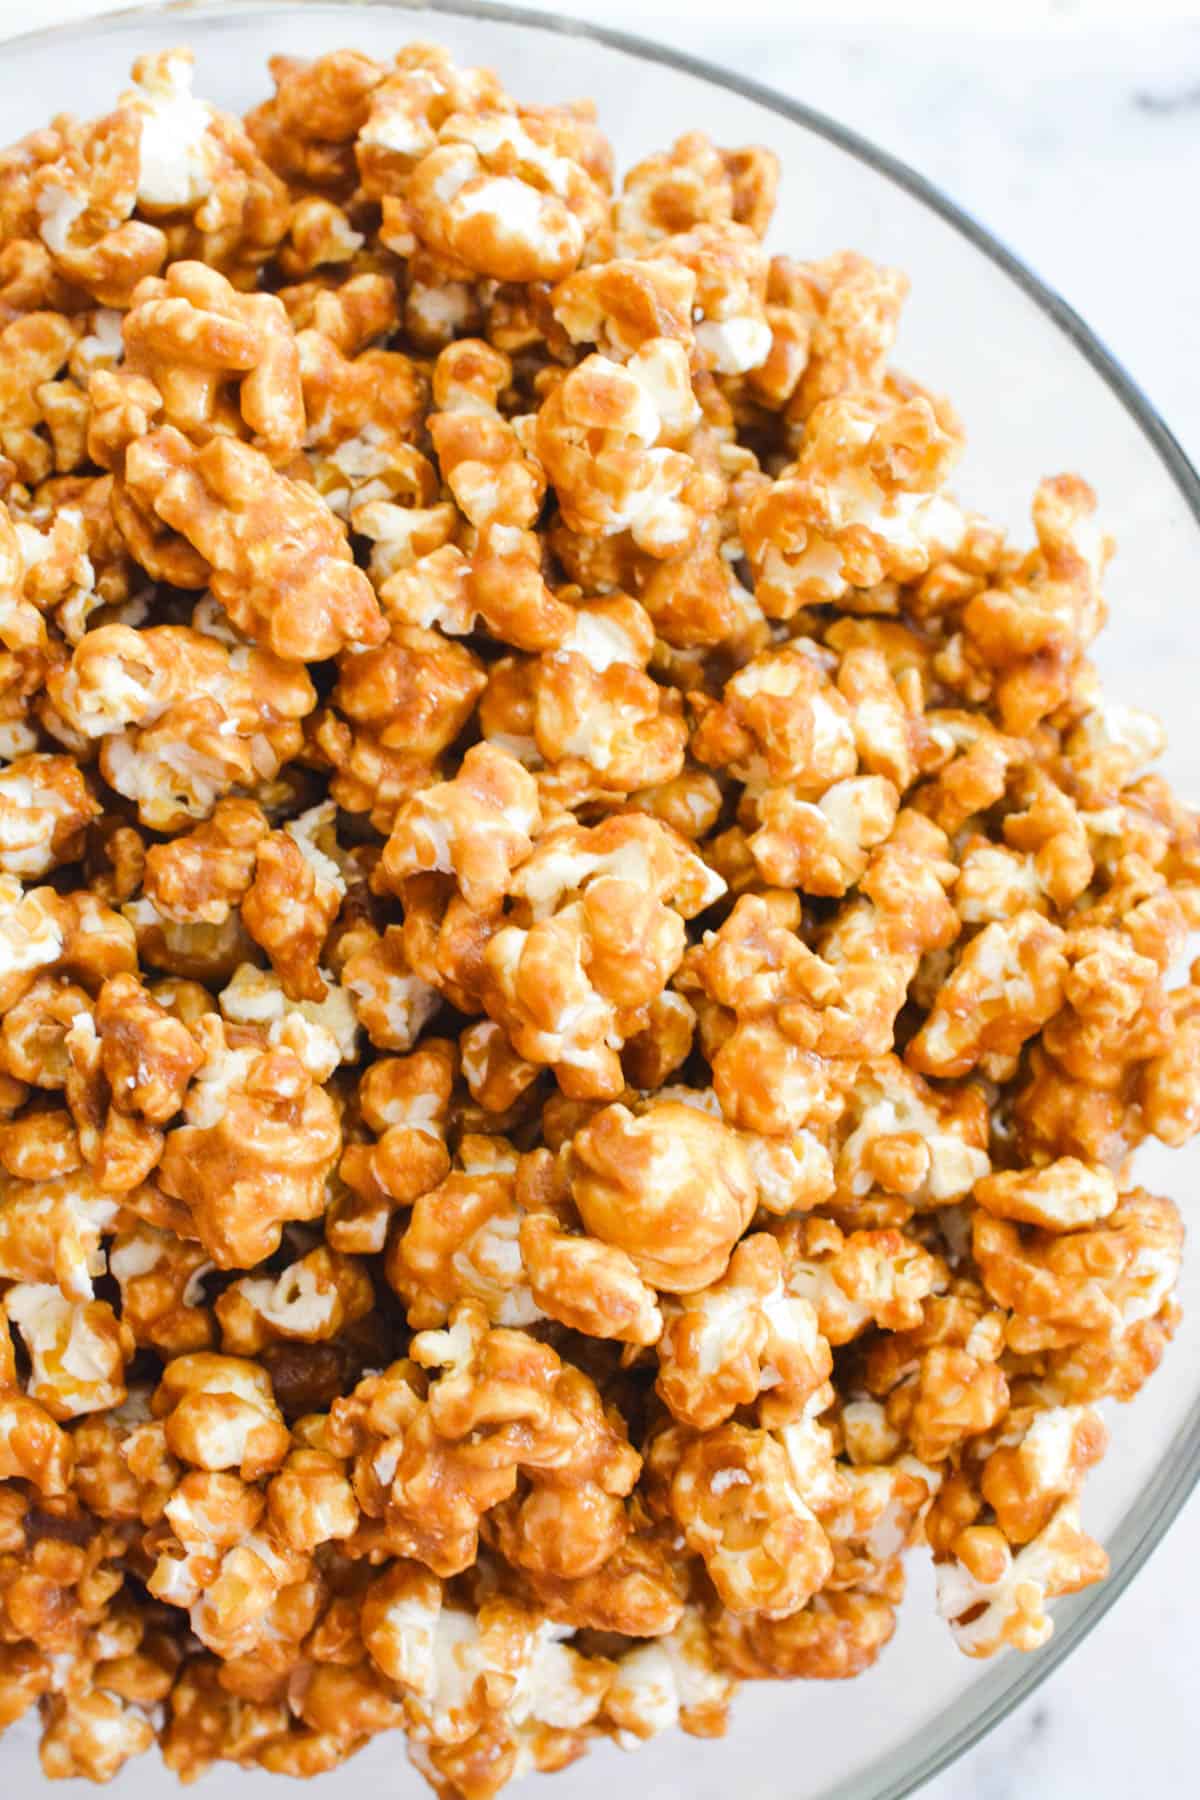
{"x":1039,"y":394}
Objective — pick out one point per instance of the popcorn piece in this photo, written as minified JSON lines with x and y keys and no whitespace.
{"x":147,"y":1056}
{"x":1169,"y":1080}
{"x":413,"y":695}
{"x":1007,"y":983}
{"x":572,"y":1520}
{"x":479,"y":452}
{"x":655,"y":1053}
{"x":243,"y":1588}
{"x":192,"y":953}
{"x":364,"y":408}
{"x":320,"y":233}
{"x":306,"y":130}
{"x":405,"y":1100}
{"x":195,"y":338}
{"x":312,"y":1300}
{"x":1032,"y":627}
{"x":881,"y":1513}
{"x":220,"y":1413}
{"x":506,"y":588}
{"x":50,"y":1231}
{"x":423,"y":88}
{"x":459,"y":1668}
{"x":794,"y":1173}
{"x":620,"y":305}
{"x":731,"y":331}
{"x":162,"y":1298}
{"x":30,"y":935}
{"x":463,"y":1241}
{"x":1041,"y":1461}
{"x":822,"y":848}
{"x":476,"y":827}
{"x":675,"y":1680}
{"x":504,"y":197}
{"x":909,"y":1139}
{"x":176,"y":165}
{"x":390,"y":1001}
{"x":781,"y":722}
{"x":690,"y":184}
{"x":91,"y":1735}
{"x":294,"y":898}
{"x":610,"y":726}
{"x":956,"y":1395}
{"x":590,"y":1286}
{"x":207,"y":1723}
{"x":673,"y":1189}
{"x":569,"y":988}
{"x":835,"y":1637}
{"x":96,"y":942}
{"x":323,"y":1034}
{"x":168,"y":154}
{"x":743,"y":1340}
{"x":868,"y":1278}
{"x":45,"y":806}
{"x":495,"y":1074}
{"x":34,"y":1034}
{"x":599,"y":437}
{"x":501,"y":1389}
{"x":77,"y":1349}
{"x":122,"y":1085}
{"x":201,"y":876}
{"x":639,"y":1592}
{"x":993,"y":1598}
{"x":310,"y":1501}
{"x":734,"y":1497}
{"x":21,"y":624}
{"x":857,"y":311}
{"x":1064,"y":1287}
{"x":1062,"y":1197}
{"x":257,"y":1145}
{"x":34,"y":350}
{"x":181,"y":719}
{"x":277,"y":559}
{"x":367,"y":777}
{"x":39,"y":1146}
{"x":859,"y":506}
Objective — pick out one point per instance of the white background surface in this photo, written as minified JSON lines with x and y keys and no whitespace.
{"x":1075,"y":136}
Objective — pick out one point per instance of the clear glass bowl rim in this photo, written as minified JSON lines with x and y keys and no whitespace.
{"x":916,"y":1760}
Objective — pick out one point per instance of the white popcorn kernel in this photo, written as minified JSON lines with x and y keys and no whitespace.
{"x":29,"y":936}
{"x":59,"y":211}
{"x":176,"y":157}
{"x":303,"y":833}
{"x":732,"y":346}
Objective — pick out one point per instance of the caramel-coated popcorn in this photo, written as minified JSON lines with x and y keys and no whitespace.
{"x":582,"y":956}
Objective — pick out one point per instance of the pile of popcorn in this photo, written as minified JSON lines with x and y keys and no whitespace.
{"x":582,"y":956}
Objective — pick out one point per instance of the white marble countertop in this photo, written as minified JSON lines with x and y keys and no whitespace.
{"x":1073,"y":137}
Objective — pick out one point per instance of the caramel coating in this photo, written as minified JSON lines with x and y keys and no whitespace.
{"x":673,"y":1189}
{"x":583,"y":956}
